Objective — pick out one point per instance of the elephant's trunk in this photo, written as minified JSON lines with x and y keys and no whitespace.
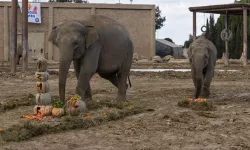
{"x":63,"y":73}
{"x":199,"y":78}
{"x":198,"y":86}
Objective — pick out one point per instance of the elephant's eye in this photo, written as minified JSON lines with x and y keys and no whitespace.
{"x":75,"y":43}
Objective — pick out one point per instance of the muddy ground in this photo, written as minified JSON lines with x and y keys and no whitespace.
{"x":167,"y":127}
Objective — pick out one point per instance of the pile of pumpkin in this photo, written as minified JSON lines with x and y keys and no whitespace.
{"x":199,"y":100}
{"x":74,"y":107}
{"x":200,"y":104}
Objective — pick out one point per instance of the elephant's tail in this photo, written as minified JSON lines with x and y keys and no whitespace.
{"x":129,"y":82}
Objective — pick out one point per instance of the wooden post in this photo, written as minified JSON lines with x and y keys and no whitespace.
{"x":25,"y":35}
{"x":245,"y":37}
{"x":13,"y":44}
{"x":194,"y":25}
{"x":226,"y":58}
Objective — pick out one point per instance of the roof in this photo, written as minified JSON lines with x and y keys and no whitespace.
{"x":167,"y":43}
{"x":231,"y":9}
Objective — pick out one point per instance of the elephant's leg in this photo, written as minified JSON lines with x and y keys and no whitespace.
{"x":83,"y":87}
{"x":88,"y":94}
{"x":122,"y":86}
{"x":17,"y":59}
{"x":89,"y":64}
{"x":77,"y":66}
{"x":194,"y":78}
{"x":207,"y":83}
{"x":122,"y":76}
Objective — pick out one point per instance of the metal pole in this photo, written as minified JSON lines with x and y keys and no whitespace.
{"x":245,"y":37}
{"x":194,"y":25}
{"x":13,"y":43}
{"x":226,"y":62}
{"x":25,"y":35}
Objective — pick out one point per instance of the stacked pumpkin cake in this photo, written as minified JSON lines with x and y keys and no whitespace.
{"x":43,"y":97}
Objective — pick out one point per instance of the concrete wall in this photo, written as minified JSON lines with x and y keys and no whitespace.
{"x":138,"y":19}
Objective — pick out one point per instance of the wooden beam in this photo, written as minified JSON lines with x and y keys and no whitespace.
{"x":245,"y":37}
{"x":221,"y":10}
{"x":13,"y":43}
{"x":222,"y":6}
{"x":226,"y":60}
{"x":194,"y":25}
{"x":25,"y":35}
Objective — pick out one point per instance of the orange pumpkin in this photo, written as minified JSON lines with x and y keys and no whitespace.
{"x":44,"y":110}
{"x":58,"y":112}
{"x":75,"y":107}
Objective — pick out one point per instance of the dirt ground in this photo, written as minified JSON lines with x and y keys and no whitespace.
{"x":167,"y":127}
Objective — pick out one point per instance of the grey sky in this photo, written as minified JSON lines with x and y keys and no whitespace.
{"x":178,"y":23}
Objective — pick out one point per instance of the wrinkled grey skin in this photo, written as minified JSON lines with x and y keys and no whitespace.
{"x":202,"y":56}
{"x":19,"y":52}
{"x":97,"y":45}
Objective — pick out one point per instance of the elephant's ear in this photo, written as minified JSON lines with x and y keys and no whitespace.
{"x":53,"y":36}
{"x":92,"y":36}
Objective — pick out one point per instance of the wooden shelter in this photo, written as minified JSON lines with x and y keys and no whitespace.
{"x":227,"y":9}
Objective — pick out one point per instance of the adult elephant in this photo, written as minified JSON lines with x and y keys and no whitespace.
{"x":202,"y":56}
{"x":96,"y":45}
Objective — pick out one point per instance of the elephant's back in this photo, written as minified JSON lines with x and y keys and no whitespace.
{"x":116,"y":40}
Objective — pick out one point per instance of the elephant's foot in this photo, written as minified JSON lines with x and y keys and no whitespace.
{"x":197,"y":94}
{"x":87,"y":97}
{"x":205,"y":92}
{"x":121,"y":98}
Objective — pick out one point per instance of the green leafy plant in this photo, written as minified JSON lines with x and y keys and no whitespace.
{"x":75,"y":97}
{"x":58,"y":104}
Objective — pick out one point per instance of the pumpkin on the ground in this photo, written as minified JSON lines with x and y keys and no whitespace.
{"x":75,"y":106}
{"x":43,"y":110}
{"x":58,"y":109}
{"x":58,"y":112}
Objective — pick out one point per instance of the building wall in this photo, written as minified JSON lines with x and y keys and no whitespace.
{"x":178,"y":52}
{"x":1,"y":33}
{"x":138,"y":19}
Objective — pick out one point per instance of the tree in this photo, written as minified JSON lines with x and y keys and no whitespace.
{"x":168,"y":39}
{"x":159,"y":20}
{"x":189,"y":41}
{"x":207,"y":29}
{"x":213,"y":33}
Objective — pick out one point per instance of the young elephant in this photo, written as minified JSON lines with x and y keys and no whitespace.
{"x":96,"y":45}
{"x":202,"y":56}
{"x":19,"y":52}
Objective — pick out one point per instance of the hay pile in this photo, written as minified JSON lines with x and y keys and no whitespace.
{"x":197,"y":105}
{"x":15,"y":103}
